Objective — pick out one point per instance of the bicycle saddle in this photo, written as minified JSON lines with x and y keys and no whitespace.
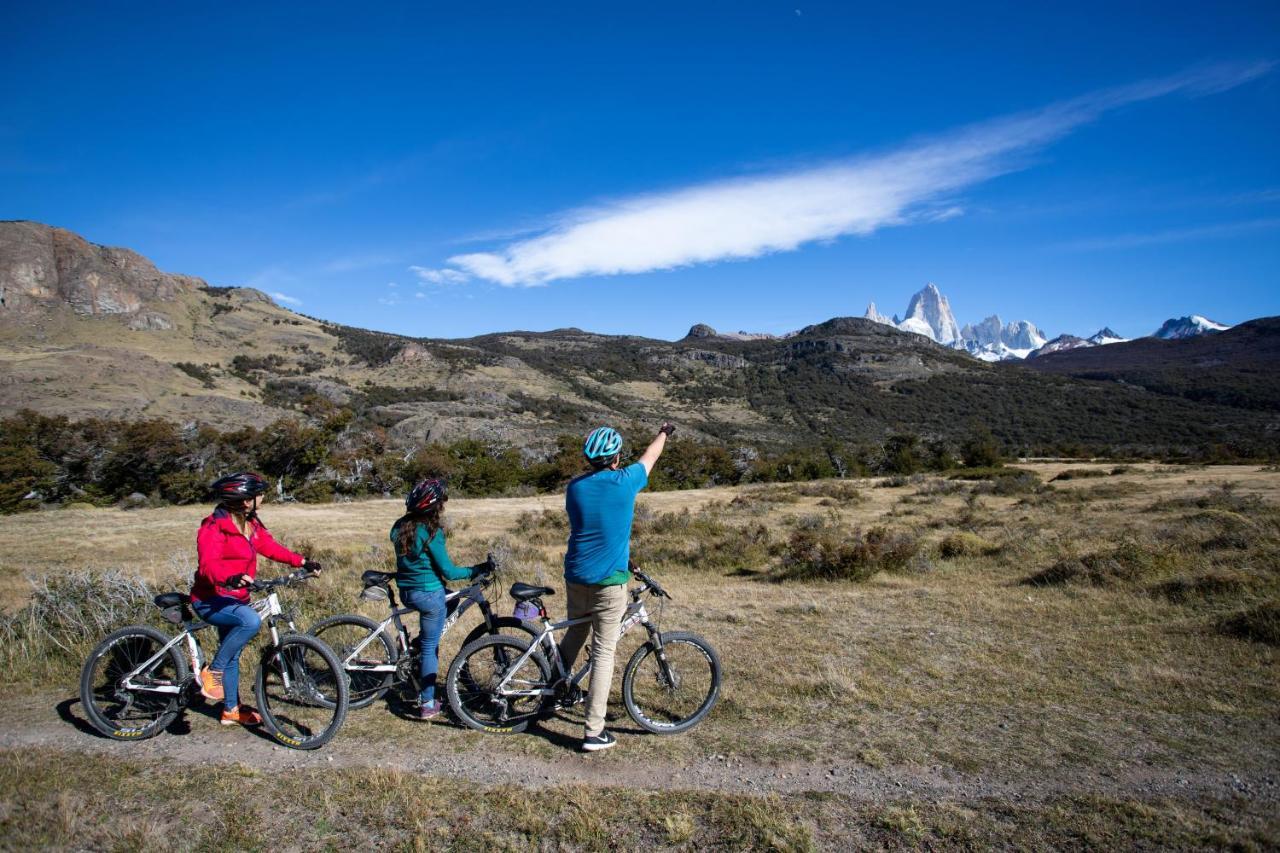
{"x":171,"y":599}
{"x":526,"y":591}
{"x":372,"y":578}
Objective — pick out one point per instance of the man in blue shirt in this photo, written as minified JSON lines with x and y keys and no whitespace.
{"x":601,"y":505}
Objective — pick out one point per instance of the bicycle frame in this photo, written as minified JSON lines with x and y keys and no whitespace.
{"x":268,"y":608}
{"x":456,"y":603}
{"x":636,"y":613}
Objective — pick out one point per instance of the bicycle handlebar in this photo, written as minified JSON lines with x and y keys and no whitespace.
{"x":287,"y":580}
{"x":649,"y":582}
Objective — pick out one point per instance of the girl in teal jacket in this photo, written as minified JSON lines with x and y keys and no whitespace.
{"x":422,"y":567}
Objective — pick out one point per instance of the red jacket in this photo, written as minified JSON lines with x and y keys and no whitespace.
{"x":224,"y":551}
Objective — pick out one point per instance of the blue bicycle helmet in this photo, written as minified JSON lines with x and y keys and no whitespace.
{"x":602,"y":443}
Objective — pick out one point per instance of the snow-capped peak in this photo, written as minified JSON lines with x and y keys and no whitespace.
{"x":875,"y":316}
{"x":1105,"y":336}
{"x":1188,"y":327}
{"x":929,"y":314}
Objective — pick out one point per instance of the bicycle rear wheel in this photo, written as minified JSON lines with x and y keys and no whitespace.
{"x":344,"y":634}
{"x":672,"y":691}
{"x":302,"y":692}
{"x":141,"y":711}
{"x":474,"y":676}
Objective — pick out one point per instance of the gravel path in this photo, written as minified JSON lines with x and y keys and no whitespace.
{"x":26,"y":724}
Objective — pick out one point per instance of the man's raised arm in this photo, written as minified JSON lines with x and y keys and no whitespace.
{"x":650,"y":456}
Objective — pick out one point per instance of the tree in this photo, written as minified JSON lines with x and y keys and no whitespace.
{"x":980,"y":449}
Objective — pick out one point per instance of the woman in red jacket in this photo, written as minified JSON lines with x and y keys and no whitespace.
{"x":228,"y":546}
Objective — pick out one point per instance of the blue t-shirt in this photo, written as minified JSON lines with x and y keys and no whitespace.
{"x":600,"y":506}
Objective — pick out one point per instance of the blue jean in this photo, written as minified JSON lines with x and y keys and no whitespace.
{"x":431,"y":611}
{"x":237,"y":623}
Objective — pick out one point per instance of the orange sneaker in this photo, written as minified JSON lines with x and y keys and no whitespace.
{"x":243,"y":714}
{"x":211,"y":685}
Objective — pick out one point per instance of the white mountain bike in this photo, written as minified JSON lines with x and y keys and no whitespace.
{"x":137,"y":680}
{"x":501,"y":683}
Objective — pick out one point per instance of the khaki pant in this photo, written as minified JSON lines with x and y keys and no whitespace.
{"x":605,"y":605}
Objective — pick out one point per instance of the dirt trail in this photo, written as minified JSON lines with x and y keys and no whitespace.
{"x":30,"y":725}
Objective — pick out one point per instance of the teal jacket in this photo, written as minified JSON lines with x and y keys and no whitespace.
{"x":428,"y":565}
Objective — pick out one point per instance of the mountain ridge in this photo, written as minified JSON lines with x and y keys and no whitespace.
{"x":230,"y":356}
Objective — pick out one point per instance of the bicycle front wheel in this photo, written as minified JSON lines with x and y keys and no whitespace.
{"x":372,"y":669}
{"x":151,"y":699}
{"x":472,"y":684}
{"x":302,"y":692}
{"x":670,"y":689}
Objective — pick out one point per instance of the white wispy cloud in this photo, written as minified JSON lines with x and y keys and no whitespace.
{"x":439,"y":276}
{"x":753,"y":216}
{"x":285,"y":298}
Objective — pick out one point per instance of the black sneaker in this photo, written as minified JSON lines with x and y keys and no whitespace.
{"x":595,"y":743}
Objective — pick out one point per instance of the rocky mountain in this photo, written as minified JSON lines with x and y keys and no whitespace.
{"x":1237,"y":366}
{"x":72,"y":344}
{"x":1188,"y":327}
{"x":1105,"y":336}
{"x":1061,"y":343}
{"x":929,"y":314}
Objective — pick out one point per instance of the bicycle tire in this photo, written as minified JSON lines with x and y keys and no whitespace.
{"x":120,"y":653}
{"x":666,"y":709}
{"x":504,"y":624}
{"x":473,"y":678}
{"x":364,"y":688}
{"x":308,"y":711}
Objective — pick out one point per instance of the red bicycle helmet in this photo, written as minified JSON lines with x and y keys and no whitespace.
{"x":239,"y":486}
{"x":425,"y":495}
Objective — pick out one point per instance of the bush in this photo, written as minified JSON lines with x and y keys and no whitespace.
{"x":701,"y":540}
{"x":1127,"y":563}
{"x":1260,"y":624}
{"x":68,"y":614}
{"x":980,"y":449}
{"x":1079,"y":474}
{"x":963,"y":544}
{"x":199,"y":372}
{"x":543,"y":528}
{"x":827,"y":553}
{"x":838,"y":491}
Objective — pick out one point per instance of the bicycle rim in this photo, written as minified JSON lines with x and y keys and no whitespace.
{"x":121,"y":712}
{"x":473,"y":680}
{"x":671,"y":699}
{"x":302,"y":691}
{"x":343,"y":637}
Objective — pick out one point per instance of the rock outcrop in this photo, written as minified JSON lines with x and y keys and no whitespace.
{"x":42,"y":267}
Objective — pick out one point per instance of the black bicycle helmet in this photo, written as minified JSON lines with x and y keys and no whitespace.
{"x":239,"y":486}
{"x":425,"y":495}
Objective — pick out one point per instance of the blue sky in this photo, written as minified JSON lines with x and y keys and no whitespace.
{"x":755,"y":166}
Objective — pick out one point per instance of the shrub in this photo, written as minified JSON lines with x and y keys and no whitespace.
{"x":838,"y":491}
{"x":1260,"y":623}
{"x":1126,"y":563}
{"x":1079,"y":474}
{"x":1211,"y":584}
{"x":68,"y":614}
{"x":963,"y":544}
{"x":199,"y":372}
{"x":542,"y":528}
{"x":828,"y":553}
{"x":702,"y":540}
{"x":980,"y":449}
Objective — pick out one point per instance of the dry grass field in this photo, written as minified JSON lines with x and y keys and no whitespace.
{"x":1083,"y":656}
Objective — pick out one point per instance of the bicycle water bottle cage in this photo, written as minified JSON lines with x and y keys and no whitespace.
{"x":526,"y":591}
